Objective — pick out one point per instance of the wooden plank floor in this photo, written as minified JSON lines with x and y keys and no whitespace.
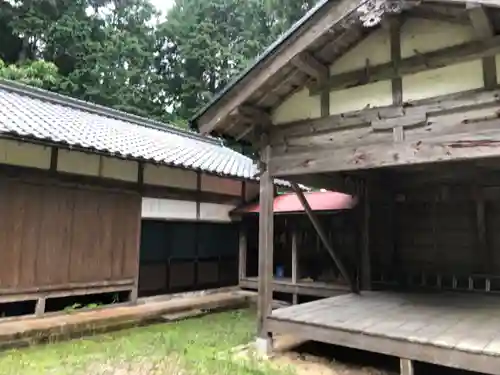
{"x":449,"y":323}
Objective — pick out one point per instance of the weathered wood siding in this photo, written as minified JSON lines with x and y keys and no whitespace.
{"x":54,"y":234}
{"x":388,"y":118}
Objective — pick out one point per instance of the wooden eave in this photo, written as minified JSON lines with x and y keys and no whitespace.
{"x":295,"y":64}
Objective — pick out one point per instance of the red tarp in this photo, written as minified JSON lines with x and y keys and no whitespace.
{"x":319,"y":201}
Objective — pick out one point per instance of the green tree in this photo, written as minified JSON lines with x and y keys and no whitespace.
{"x":206,"y":43}
{"x":34,"y":73}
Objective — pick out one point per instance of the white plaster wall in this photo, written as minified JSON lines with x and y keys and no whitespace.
{"x":300,"y":106}
{"x":173,"y":177}
{"x":220,"y":185}
{"x":376,"y":48}
{"x":376,"y":94}
{"x":168,"y":209}
{"x":118,"y":169}
{"x":78,"y":163}
{"x":24,"y":154}
{"x":416,"y":35}
{"x":215,"y":212}
{"x":447,"y":80}
{"x":421,"y":36}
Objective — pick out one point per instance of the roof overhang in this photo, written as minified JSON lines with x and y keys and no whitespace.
{"x":297,"y":59}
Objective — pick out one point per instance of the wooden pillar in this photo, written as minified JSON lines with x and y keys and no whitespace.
{"x":266,"y":244}
{"x":294,"y":263}
{"x":406,"y":366}
{"x":481,"y":229}
{"x":242,"y":259}
{"x":366,"y":276}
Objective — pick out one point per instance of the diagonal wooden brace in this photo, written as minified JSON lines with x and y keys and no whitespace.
{"x":324,"y":239}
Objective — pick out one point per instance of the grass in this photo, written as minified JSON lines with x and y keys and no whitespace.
{"x":190,"y":347}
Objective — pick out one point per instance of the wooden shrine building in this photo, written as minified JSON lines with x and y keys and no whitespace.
{"x":96,"y":202}
{"x":397,"y":103}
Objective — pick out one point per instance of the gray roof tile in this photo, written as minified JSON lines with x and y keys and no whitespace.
{"x":34,"y":113}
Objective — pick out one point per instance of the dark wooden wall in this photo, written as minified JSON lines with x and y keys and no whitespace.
{"x":444,"y":232}
{"x":54,"y":234}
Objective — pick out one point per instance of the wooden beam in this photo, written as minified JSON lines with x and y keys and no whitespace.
{"x":253,"y":114}
{"x":309,"y":65}
{"x":421,"y":62}
{"x":366,"y":276}
{"x":322,"y":235}
{"x":484,"y":29}
{"x":324,"y":20}
{"x":441,"y":147}
{"x":395,"y":36}
{"x":266,"y":243}
{"x":243,"y":248}
{"x":383,"y":117}
{"x":488,"y":3}
{"x":294,"y":263}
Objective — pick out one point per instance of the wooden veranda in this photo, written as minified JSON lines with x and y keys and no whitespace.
{"x":396,"y":103}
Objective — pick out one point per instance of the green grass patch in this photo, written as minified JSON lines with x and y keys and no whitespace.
{"x":191,"y":347}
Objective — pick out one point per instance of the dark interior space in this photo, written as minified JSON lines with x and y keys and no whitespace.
{"x":187,"y":256}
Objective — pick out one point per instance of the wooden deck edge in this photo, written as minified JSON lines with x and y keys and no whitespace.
{"x":448,"y":357}
{"x":316,"y":291}
{"x":20,"y":335}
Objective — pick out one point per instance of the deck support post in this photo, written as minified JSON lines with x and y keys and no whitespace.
{"x":242,"y":259}
{"x":324,"y":239}
{"x":40,"y":307}
{"x":294,"y":264}
{"x":406,"y":366}
{"x":266,"y":249}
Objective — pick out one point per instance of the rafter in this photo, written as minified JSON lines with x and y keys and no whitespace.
{"x":480,"y":21}
{"x":309,"y":65}
{"x":331,"y":14}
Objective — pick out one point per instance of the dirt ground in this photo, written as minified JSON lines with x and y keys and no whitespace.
{"x":288,"y":353}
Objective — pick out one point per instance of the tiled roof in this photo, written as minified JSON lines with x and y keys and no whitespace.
{"x":41,"y":115}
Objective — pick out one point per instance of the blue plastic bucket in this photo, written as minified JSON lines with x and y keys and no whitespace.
{"x":280,"y":271}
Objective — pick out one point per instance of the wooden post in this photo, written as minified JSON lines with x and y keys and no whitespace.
{"x":406,"y":366}
{"x":40,"y":307}
{"x":324,"y":239}
{"x":481,"y":229}
{"x":365,"y":249}
{"x":294,"y":263}
{"x":266,"y":249}
{"x":242,"y":259}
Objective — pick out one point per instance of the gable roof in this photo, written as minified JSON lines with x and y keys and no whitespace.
{"x":39,"y":115}
{"x":324,"y":34}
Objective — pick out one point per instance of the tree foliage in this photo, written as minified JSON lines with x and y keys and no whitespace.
{"x":117,"y":52}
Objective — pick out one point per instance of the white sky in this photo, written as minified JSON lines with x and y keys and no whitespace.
{"x":163,"y":5}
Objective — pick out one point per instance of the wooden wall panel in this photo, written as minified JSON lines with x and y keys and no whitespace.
{"x":56,"y":228}
{"x":53,"y":234}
